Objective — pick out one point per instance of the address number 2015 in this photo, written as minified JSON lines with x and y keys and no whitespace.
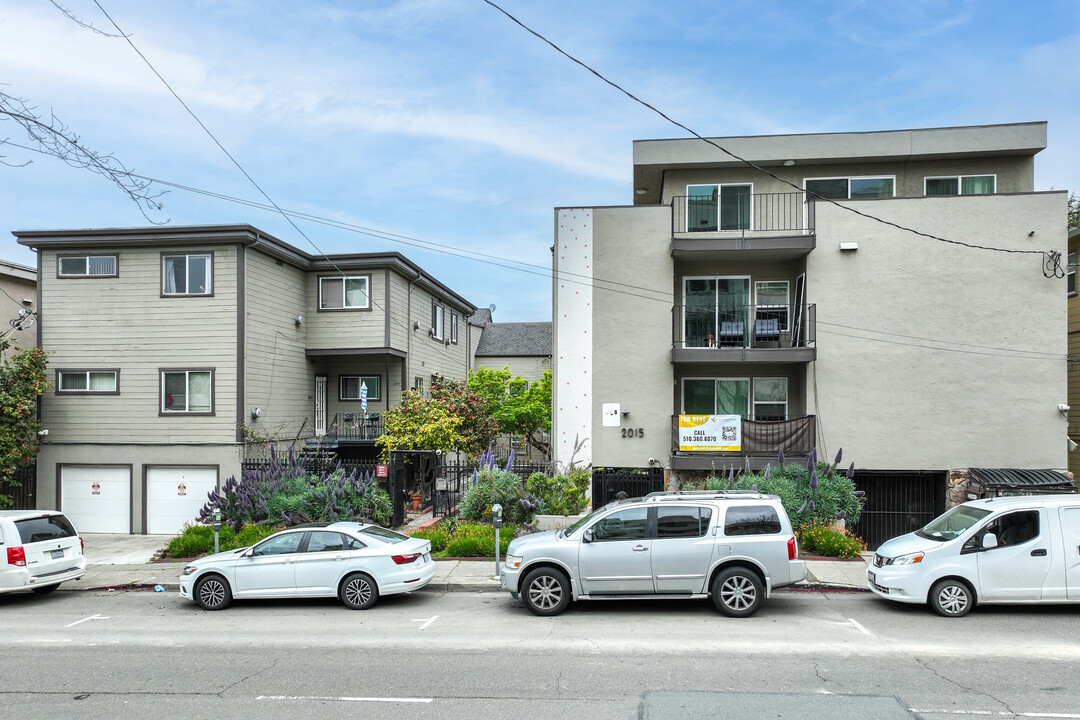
{"x":633,"y":432}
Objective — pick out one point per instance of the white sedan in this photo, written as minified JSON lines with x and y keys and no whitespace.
{"x":353,"y":561}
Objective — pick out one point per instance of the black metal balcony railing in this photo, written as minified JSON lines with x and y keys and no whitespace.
{"x":744,"y":326}
{"x":761,"y":212}
{"x":795,"y":436}
{"x":354,"y":426}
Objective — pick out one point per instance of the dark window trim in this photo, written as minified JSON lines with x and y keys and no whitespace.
{"x":371,"y":398}
{"x":186,"y":253}
{"x":76,"y":371}
{"x":318,"y":293}
{"x":162,"y":412}
{"x":114,"y":256}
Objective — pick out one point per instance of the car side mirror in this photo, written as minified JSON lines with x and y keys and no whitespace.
{"x":587,"y":536}
{"x":989,"y":541}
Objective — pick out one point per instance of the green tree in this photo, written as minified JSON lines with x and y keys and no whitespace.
{"x":1074,"y":210}
{"x":22,"y":382}
{"x":451,"y":418}
{"x":519,"y":407}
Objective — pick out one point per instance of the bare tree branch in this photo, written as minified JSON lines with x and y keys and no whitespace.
{"x":82,"y":23}
{"x":54,"y":138}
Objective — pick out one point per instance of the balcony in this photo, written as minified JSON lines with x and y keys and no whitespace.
{"x":744,"y":333}
{"x":762,"y":441}
{"x":350,"y":429}
{"x":777,"y":225}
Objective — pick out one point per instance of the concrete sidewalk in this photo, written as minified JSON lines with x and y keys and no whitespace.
{"x":122,"y":562}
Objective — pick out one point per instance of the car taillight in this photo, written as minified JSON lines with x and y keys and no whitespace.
{"x":792,"y":549}
{"x":82,"y":545}
{"x":16,"y":556}
{"x":406,"y":559}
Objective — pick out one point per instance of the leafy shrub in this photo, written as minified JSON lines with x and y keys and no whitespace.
{"x":492,"y":486}
{"x":454,"y":539}
{"x":436,"y":536}
{"x":197,"y":540}
{"x":830,"y":541}
{"x":559,"y":495}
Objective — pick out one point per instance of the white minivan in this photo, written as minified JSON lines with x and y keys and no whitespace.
{"x":997,"y":550}
{"x":39,"y":549}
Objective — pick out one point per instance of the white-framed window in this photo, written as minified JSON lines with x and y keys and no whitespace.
{"x":186,"y":274}
{"x":345,"y":293}
{"x":437,"y":312}
{"x":716,"y":396}
{"x":851,"y":188}
{"x":770,"y":398}
{"x":453,"y":326}
{"x":960,"y":185}
{"x":710,"y":208}
{"x":1070,"y":273}
{"x":773,"y":300}
{"x":80,"y":266}
{"x":87,"y":381}
{"x":418,"y":384}
{"x":349,"y":387}
{"x":187,"y":391}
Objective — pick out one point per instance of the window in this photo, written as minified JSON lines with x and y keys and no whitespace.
{"x":344,"y":293}
{"x":186,"y":274}
{"x":87,"y":381}
{"x":436,"y":320}
{"x":279,"y":545}
{"x":325,"y":542}
{"x":1010,"y":529}
{"x":716,"y":311}
{"x":723,"y":207}
{"x":86,"y":266}
{"x":851,"y":188}
{"x":716,"y":396}
{"x":418,"y":384}
{"x":40,"y":529}
{"x":187,"y":391}
{"x":453,"y":326}
{"x":770,"y":398}
{"x":629,"y":524}
{"x":961,"y":185}
{"x":772,"y":301}
{"x":682,"y":522}
{"x":1071,"y":273}
{"x":752,"y":520}
{"x":349,"y":387}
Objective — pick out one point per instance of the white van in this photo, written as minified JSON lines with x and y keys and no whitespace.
{"x":998,"y":550}
{"x":39,"y":549}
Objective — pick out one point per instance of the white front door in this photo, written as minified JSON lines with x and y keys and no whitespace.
{"x":320,"y":405}
{"x":175,"y":496}
{"x":96,"y":499}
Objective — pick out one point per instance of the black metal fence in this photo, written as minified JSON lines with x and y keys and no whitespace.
{"x":454,"y":478}
{"x":22,"y":489}
{"x":897,"y":503}
{"x":607,"y":482}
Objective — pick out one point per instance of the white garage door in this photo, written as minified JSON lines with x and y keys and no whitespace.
{"x":174,"y":496}
{"x":96,"y":499}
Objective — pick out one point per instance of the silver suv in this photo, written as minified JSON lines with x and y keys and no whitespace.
{"x":733,"y":546}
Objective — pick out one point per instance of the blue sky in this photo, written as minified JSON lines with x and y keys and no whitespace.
{"x":443,"y":122}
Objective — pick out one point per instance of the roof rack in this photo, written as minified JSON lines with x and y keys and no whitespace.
{"x":705,"y":494}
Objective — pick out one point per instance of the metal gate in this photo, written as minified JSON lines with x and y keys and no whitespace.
{"x":21,"y":488}
{"x":897,"y":502}
{"x":635,"y":482}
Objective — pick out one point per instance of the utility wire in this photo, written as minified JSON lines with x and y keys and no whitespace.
{"x":1052,"y":258}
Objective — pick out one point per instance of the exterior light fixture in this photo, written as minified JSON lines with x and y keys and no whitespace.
{"x":789,"y":163}
{"x":641,"y":191}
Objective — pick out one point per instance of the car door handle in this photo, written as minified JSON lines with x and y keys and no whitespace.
{"x":1039,"y":552}
{"x":640,"y":548}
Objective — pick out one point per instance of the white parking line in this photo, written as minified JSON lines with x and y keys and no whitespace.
{"x":92,"y":617}
{"x":344,"y":699}
{"x":426,"y":621}
{"x":999,"y":713}
{"x":859,"y":627}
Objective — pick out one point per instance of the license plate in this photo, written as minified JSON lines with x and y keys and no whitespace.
{"x":57,"y":554}
{"x":873,"y":577}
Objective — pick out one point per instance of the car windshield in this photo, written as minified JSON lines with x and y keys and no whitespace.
{"x":953,"y":523}
{"x":383,"y":535}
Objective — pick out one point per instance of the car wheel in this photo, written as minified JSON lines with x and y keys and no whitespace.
{"x":545,"y":591}
{"x":951,"y":598}
{"x":212,"y":593}
{"x":738,"y":592}
{"x":44,"y":589}
{"x":358,"y":591}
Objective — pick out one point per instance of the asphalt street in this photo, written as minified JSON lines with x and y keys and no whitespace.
{"x":474,"y":655}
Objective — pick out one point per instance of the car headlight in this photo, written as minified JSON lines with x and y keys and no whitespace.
{"x":909,"y":559}
{"x":188,"y":569}
{"x":513,"y":561}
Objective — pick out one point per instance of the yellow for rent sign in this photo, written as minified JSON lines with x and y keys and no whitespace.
{"x":710,"y":433}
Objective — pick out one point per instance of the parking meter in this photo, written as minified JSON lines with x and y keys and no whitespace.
{"x":217,"y":527}
{"x":496,"y":520}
